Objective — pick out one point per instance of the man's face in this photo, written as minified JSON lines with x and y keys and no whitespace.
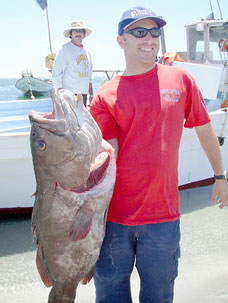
{"x":77,"y":35}
{"x":140,"y":52}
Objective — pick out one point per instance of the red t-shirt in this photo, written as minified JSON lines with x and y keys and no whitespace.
{"x":146,"y":113}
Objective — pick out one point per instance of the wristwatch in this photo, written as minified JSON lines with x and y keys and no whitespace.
{"x":224,"y":176}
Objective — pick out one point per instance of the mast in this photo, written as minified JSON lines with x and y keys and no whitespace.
{"x":163,"y":46}
{"x":219,"y":9}
{"x":44,"y":6}
{"x":49,"y":32}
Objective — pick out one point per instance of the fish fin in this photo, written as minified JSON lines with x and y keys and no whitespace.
{"x":33,"y":223}
{"x":81,"y":224}
{"x":88,"y":276}
{"x":42,"y":270}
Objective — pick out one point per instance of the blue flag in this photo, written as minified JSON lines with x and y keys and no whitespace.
{"x":42,"y":3}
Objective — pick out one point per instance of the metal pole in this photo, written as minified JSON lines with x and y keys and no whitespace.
{"x":219,"y":9}
{"x":211,"y":8}
{"x":163,"y":46}
{"x":49,"y":35}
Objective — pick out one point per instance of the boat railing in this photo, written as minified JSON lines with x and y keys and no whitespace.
{"x":109,"y":73}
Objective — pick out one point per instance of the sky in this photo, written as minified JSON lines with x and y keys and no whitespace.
{"x":24,"y":30}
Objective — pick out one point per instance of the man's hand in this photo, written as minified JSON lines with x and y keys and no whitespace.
{"x":220,"y":193}
{"x":80,"y":98}
{"x":90,"y":98}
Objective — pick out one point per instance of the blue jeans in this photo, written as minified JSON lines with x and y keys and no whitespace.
{"x":154,"y":247}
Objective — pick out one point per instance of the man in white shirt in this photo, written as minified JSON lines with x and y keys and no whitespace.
{"x":72,"y":68}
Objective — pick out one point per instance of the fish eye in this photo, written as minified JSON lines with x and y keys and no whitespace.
{"x":41,"y":145}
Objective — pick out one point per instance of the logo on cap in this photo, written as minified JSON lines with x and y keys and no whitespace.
{"x":137,"y":12}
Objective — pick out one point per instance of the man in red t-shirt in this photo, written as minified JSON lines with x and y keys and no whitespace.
{"x":142,"y":114}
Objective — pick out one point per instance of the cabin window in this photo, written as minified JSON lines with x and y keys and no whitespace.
{"x":216,"y":34}
{"x":196,"y":45}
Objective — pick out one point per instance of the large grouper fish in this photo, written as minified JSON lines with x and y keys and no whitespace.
{"x":75,"y":175}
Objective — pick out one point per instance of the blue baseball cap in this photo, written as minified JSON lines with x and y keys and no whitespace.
{"x":135,"y":14}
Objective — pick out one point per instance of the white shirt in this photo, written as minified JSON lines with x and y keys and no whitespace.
{"x":72,"y":69}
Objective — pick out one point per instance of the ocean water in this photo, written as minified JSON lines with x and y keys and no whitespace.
{"x":8,"y":91}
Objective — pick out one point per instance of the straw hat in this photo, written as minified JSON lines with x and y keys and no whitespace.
{"x":77,"y":25}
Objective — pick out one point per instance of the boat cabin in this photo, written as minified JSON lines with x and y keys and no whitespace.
{"x":207,"y":58}
{"x":207,"y":42}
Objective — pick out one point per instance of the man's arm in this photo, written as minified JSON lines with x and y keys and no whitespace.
{"x":90,"y":92}
{"x":209,"y":142}
{"x":57,"y":71}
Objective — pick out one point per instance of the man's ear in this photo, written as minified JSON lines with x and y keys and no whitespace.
{"x":120,"y":41}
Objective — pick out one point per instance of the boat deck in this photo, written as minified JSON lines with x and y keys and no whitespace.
{"x":203,"y":269}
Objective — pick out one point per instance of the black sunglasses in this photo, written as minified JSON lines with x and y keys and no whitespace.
{"x":76,"y":31}
{"x":141,"y":32}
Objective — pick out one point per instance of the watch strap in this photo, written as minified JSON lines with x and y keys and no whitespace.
{"x":224,"y":176}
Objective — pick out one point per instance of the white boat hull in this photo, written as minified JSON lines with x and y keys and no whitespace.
{"x":17,"y":176}
{"x":16,"y":169}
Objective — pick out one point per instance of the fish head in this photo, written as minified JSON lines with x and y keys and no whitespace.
{"x":65,"y":142}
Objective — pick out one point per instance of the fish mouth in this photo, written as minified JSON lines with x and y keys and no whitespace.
{"x":49,"y":122}
{"x":63,"y":116}
{"x":41,"y":118}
